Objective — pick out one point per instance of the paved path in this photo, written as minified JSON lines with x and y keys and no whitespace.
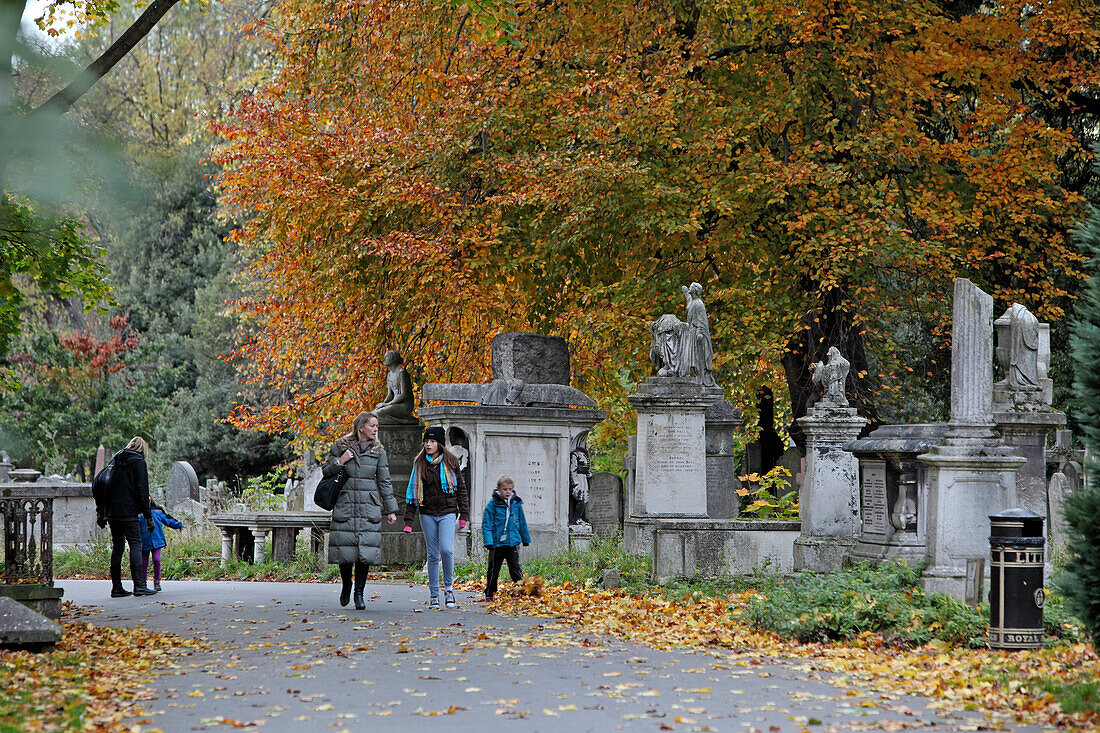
{"x":287,"y":658}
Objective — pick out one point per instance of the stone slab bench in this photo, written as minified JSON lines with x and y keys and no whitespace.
{"x":244,"y":534}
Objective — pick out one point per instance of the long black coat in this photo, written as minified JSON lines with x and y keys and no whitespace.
{"x":355,"y":534}
{"x":128,"y":493}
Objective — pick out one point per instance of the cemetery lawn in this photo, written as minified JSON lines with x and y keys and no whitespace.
{"x":92,"y":680}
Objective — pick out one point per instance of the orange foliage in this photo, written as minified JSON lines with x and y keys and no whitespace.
{"x":421,"y":175}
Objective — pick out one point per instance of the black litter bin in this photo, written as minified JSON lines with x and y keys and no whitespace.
{"x":1016,"y":596}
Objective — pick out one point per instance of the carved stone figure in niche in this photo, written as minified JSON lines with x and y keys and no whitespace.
{"x":832,"y":375}
{"x":1018,"y":348}
{"x":698,"y":349}
{"x":665,"y":346}
{"x":399,"y":403}
{"x":580,"y":470}
{"x":904,"y":513}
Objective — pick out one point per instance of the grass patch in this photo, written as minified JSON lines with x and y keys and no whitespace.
{"x":1079,"y":696}
{"x":577,"y":566}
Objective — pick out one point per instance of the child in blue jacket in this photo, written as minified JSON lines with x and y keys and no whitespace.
{"x":152,"y":540}
{"x":504,"y":528}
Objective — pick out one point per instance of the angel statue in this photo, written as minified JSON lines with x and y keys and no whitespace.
{"x":832,"y":374}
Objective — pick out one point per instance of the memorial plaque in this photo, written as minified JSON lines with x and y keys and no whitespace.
{"x":873,"y":496}
{"x":674,"y":458}
{"x":605,"y":504}
{"x":532,"y":462}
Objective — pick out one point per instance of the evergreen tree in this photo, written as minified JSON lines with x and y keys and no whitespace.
{"x":1083,"y":507}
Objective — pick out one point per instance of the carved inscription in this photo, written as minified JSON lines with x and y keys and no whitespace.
{"x":605,"y":504}
{"x":675,"y":464}
{"x":873,"y":493}
{"x":533,"y":463}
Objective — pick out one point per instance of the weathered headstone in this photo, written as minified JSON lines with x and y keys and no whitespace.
{"x":531,"y":358}
{"x":605,"y":504}
{"x":23,"y":629}
{"x":182,"y":485}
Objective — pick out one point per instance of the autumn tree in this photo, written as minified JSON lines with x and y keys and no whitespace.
{"x":422,"y":175}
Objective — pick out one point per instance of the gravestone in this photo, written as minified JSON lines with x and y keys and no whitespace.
{"x":605,"y":504}
{"x":23,"y":629}
{"x":531,"y":358}
{"x":183,"y":485}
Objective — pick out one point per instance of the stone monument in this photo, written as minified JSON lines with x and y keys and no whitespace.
{"x":828,"y":499}
{"x":401,"y":433}
{"x":972,"y":474}
{"x":1022,"y":400}
{"x":181,"y":492}
{"x":605,"y":504}
{"x":894,"y":491}
{"x":521,"y":424}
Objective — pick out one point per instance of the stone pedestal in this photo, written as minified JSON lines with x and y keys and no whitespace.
{"x":1026,"y":433}
{"x":967,"y":486}
{"x":828,"y":500}
{"x":670,"y":476}
{"x":722,"y":419}
{"x":580,"y":536}
{"x":403,"y":441}
{"x":971,"y":474}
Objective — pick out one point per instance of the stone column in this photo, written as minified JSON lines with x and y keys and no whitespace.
{"x":1026,"y":433}
{"x":227,"y":545}
{"x":670,"y":479}
{"x":828,"y":500}
{"x":972,"y":474}
{"x":260,"y":534}
{"x":722,"y":419}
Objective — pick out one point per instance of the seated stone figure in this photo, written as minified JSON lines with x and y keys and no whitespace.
{"x":399,"y":403}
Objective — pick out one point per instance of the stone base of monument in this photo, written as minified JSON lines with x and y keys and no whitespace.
{"x":38,"y":597}
{"x":403,"y":441}
{"x":580,"y":536}
{"x":688,"y":548}
{"x":24,"y":630}
{"x":967,"y":483}
{"x":822,"y":554}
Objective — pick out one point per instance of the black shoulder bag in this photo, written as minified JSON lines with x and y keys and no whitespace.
{"x":328,"y":490}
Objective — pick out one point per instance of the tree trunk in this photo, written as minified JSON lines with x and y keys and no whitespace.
{"x":833,"y":327}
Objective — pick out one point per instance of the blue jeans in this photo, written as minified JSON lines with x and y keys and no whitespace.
{"x":439,"y":534}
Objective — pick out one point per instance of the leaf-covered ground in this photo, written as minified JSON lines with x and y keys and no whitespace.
{"x":92,"y":681}
{"x":1007,"y":686}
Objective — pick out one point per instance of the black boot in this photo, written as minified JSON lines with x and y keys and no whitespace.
{"x":345,"y":589}
{"x":361,"y":571}
{"x":140,"y":587}
{"x":119,"y":592}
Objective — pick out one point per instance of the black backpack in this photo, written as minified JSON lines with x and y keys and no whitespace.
{"x":101,"y":486}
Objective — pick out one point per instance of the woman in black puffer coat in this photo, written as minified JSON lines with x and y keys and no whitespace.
{"x":355,"y":534}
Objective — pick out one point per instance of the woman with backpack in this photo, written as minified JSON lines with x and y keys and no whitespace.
{"x":127,"y":496}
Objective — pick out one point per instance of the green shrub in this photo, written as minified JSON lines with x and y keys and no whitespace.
{"x":92,"y":559}
{"x":886,"y":600}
